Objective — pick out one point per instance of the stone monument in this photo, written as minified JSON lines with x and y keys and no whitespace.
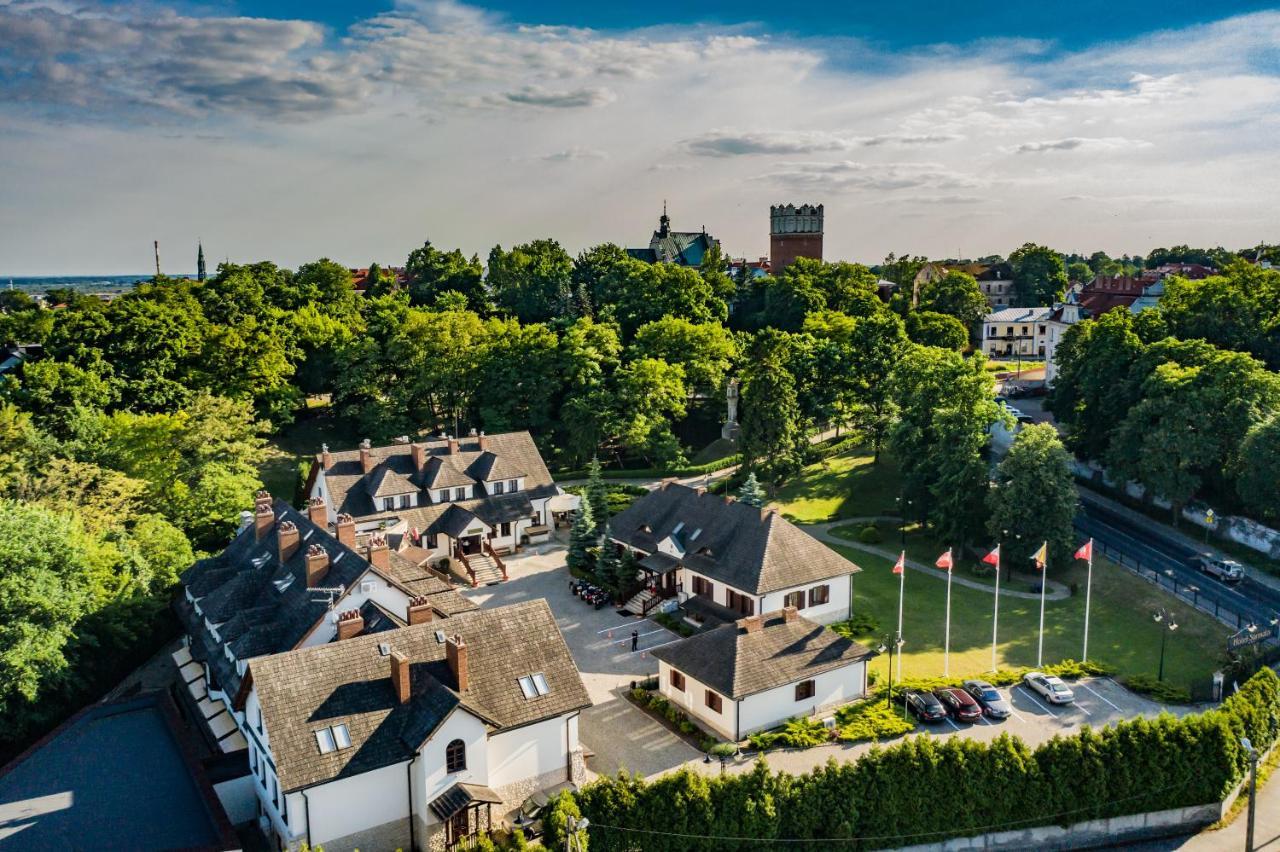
{"x":729,"y":431}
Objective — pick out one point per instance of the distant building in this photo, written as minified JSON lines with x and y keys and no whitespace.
{"x":360,"y":276}
{"x":200,"y":274}
{"x":1110,"y":292}
{"x":1064,"y":315}
{"x":794,"y":232}
{"x":1015,"y":331}
{"x":683,"y":248}
{"x":995,"y":280}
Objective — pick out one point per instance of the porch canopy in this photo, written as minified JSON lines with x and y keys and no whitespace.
{"x":461,"y":796}
{"x":659,"y":563}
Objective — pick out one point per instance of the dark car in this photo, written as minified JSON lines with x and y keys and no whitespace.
{"x":959,"y":704}
{"x":993,"y":703}
{"x":925,"y":707}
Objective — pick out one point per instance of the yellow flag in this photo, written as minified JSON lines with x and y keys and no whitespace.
{"x":1042,"y":556}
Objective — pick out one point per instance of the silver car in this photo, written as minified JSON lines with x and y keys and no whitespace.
{"x":993,"y":704}
{"x":1051,"y":688}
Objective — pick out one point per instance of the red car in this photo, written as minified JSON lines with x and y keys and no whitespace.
{"x":959,"y":704}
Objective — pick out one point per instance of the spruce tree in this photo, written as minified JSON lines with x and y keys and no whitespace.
{"x":597,"y":494}
{"x":751,"y":492}
{"x":609,"y":570}
{"x":582,"y":537}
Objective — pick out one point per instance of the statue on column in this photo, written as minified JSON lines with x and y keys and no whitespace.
{"x":729,"y":431}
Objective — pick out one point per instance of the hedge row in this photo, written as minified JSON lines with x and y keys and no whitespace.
{"x":654,"y":472}
{"x":927,"y":789}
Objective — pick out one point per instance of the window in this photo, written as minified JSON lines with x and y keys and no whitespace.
{"x":455,"y":756}
{"x":714,"y":701}
{"x":677,"y":680}
{"x":406,"y":500}
{"x":499,"y":487}
{"x":460,"y":494}
{"x":389,"y":503}
{"x":540,"y":683}
{"x":702,"y":586}
{"x":795,"y":599}
{"x":819,"y":595}
{"x":504,"y":528}
{"x":513,"y":486}
{"x":534,"y":685}
{"x":324,"y":739}
{"x":340,"y":736}
{"x":432,"y":541}
{"x":805,"y":689}
{"x":740,"y":602}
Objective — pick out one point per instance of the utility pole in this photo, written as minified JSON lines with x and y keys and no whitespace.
{"x":156,"y":243}
{"x":1253,"y":790}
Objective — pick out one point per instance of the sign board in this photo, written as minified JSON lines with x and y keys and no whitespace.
{"x":1246,"y":637}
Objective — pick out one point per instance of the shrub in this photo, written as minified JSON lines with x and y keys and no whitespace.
{"x":858,"y":624}
{"x":794,"y":733}
{"x":872,"y":719}
{"x":870,"y":535}
{"x":1165,"y":693}
{"x":640,"y":697}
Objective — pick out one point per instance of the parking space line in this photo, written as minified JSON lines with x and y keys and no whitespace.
{"x":1100,"y":695}
{"x":984,"y":719}
{"x":1080,"y":707}
{"x":1013,"y":712}
{"x":625,"y":625}
{"x":947,"y":719}
{"x":626,"y":639}
{"x":677,"y":639}
{"x":1027,"y":692}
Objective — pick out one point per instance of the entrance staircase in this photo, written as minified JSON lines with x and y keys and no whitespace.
{"x":641,"y":603}
{"x":485,"y":569}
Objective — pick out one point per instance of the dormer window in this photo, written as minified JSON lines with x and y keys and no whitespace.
{"x":513,"y":486}
{"x":499,"y":487}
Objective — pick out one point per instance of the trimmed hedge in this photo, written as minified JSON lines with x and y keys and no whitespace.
{"x":927,"y":789}
{"x":654,"y":472}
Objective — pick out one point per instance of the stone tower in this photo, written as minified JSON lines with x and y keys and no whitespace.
{"x":794,"y":232}
{"x":199,"y":261}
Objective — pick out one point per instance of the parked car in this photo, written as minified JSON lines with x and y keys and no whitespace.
{"x":925,"y":707}
{"x":1024,"y":419}
{"x":959,"y":704}
{"x":993,"y":703}
{"x":1224,"y":570}
{"x":1051,"y":688}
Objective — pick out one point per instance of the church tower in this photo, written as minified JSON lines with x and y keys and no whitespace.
{"x":199,"y":261}
{"x":794,"y":232}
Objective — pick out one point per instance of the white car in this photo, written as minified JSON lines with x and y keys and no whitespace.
{"x":1051,"y":688}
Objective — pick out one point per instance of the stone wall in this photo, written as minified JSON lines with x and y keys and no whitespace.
{"x":388,"y":836}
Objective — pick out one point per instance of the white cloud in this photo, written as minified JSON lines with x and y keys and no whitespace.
{"x":574,"y":154}
{"x":726,"y":143}
{"x":1080,"y":143}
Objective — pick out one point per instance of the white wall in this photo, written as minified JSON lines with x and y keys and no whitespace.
{"x":384,"y":594}
{"x":693,"y":702}
{"x":773,"y":707}
{"x":430,"y":765}
{"x":528,"y":752}
{"x":357,"y":803}
{"x":238,"y":799}
{"x":836,"y":608}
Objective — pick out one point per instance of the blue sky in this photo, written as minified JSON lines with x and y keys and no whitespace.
{"x":288,"y":130}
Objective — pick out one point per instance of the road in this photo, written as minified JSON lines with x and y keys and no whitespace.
{"x":1143,"y":541}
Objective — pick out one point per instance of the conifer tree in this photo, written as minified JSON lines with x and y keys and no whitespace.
{"x":582,"y":537}
{"x":609,"y":570}
{"x":597,"y":494}
{"x":751,"y":492}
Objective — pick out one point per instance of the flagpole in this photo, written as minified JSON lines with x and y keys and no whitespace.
{"x":946,"y":653}
{"x":1088,"y":593}
{"x":902,"y":584}
{"x":995,"y":619}
{"x":1044,"y":581}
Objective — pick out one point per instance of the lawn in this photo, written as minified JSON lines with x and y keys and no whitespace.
{"x":302,"y":439}
{"x":843,"y":486}
{"x":1122,"y":636}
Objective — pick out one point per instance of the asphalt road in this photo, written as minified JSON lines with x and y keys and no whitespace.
{"x":1144,"y":543}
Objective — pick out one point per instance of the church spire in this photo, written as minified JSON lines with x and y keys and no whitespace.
{"x":199,"y":261}
{"x":664,"y":221}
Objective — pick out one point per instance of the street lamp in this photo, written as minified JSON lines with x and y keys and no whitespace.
{"x":1165,"y":619}
{"x":884,"y":645}
{"x":904,"y":506}
{"x":1253,"y":789}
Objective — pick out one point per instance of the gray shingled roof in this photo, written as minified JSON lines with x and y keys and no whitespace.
{"x":756,"y":551}
{"x":511,"y":454}
{"x":737,"y":663}
{"x":349,"y":682}
{"x":385,"y":482}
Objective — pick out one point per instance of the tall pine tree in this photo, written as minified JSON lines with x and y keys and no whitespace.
{"x":582,"y":537}
{"x":609,"y":571}
{"x":597,"y":494}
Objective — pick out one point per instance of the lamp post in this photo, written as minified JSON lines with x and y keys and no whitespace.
{"x":904,"y":506}
{"x":1208,"y":524}
{"x":888,"y":643}
{"x":1167,"y":625}
{"x":1253,"y":790}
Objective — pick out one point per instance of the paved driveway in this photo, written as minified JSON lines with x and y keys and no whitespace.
{"x":600,"y":639}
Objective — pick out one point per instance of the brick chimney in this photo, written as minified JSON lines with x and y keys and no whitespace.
{"x":318,"y":512}
{"x":790,"y":614}
{"x":262,"y":496}
{"x":700,"y":490}
{"x":379,"y":555}
{"x":419,"y":610}
{"x":751,"y":623}
{"x":366,"y":456}
{"x":670,"y":480}
{"x":419,"y":452}
{"x":326,"y":457}
{"x":263,"y":518}
{"x":400,"y":676}
{"x":480,"y":442}
{"x":317,"y":565}
{"x":346,"y":529}
{"x":456,"y":653}
{"x":453,"y":444}
{"x":350,"y":623}
{"x":287,"y":539}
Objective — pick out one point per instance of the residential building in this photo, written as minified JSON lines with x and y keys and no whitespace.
{"x":282,"y":583}
{"x":419,"y":738}
{"x":453,"y":503}
{"x":1111,"y":292}
{"x":794,"y":232}
{"x":360,"y":277}
{"x":684,"y":248}
{"x":720,"y":559}
{"x":995,"y":280}
{"x":759,"y":671}
{"x":1064,"y":315}
{"x":1015,"y":331}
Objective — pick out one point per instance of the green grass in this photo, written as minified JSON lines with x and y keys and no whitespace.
{"x":720,"y":448}
{"x":844,"y":486}
{"x":302,"y":439}
{"x":1122,"y":634}
{"x":922,"y":546}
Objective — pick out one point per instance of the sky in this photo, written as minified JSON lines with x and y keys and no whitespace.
{"x":291,"y":130}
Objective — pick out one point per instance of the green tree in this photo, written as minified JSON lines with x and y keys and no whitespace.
{"x":593,"y":274}
{"x":432,"y":273}
{"x":1034,"y":497}
{"x":46,"y":580}
{"x":772,"y":437}
{"x":609,"y":571}
{"x":955,"y":294}
{"x":875,"y":347}
{"x":518,"y":378}
{"x":650,"y":397}
{"x":1258,"y":470}
{"x":582,"y":539}
{"x":1079,"y":271}
{"x":597,"y":494}
{"x":648,"y":292}
{"x":590,"y":353}
{"x":1091,"y":393}
{"x":933,"y":329}
{"x":533,"y":281}
{"x":1039,"y":276}
{"x":751,"y":492}
{"x":705,"y":351}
